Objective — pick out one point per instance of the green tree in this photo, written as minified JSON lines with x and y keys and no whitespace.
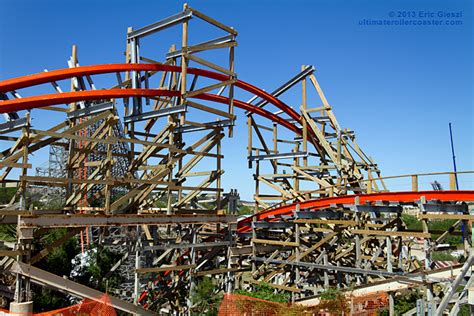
{"x":205,"y":302}
{"x":266,"y":292}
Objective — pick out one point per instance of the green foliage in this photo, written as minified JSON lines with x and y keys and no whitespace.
{"x":47,"y":300}
{"x":266,"y":292}
{"x":57,"y":261}
{"x":403,"y":302}
{"x":442,"y":256}
{"x":412,"y":222}
{"x":330,"y":294}
{"x":160,"y":204}
{"x":244,"y":210}
{"x":465,"y":310}
{"x":101,"y":261}
{"x":8,"y":232}
{"x":203,"y":297}
{"x":52,"y":204}
{"x":442,"y":225}
{"x":6,"y":194}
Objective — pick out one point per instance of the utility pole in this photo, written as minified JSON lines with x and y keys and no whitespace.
{"x":454,"y":157}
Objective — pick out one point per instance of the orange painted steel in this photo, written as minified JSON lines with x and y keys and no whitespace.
{"x":316,"y":204}
{"x":27,"y":103}
{"x":55,"y":75}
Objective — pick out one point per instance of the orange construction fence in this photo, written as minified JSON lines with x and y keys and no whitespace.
{"x":369,"y":305}
{"x":99,"y":307}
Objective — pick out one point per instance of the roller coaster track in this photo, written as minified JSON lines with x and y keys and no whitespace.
{"x":51,"y":76}
{"x":338,"y":167}
{"x":395,"y":197}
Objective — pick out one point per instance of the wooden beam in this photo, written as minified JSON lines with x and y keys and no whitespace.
{"x":390,"y":233}
{"x":274,"y":242}
{"x":163,"y":269}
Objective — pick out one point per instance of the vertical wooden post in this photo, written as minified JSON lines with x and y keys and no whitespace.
{"x":296,"y":162}
{"x":26,"y":136}
{"x":184,"y":63}
{"x":170,"y":167}
{"x":127,"y":77}
{"x":304,"y":123}
{"x":249,"y":139}
{"x":452,"y":181}
{"x":297,"y":253}
{"x":108,"y":173}
{"x":191,"y":270}
{"x":71,"y":149}
{"x":427,"y":248}
{"x":388,"y":242}
{"x":339,"y":147}
{"x":326,"y":275}
{"x":231,"y":86}
{"x":275,"y":145}
{"x":218,"y":169}
{"x":257,"y":182}
{"x":369,"y":184}
{"x":414,"y":183}
{"x":357,"y":237}
{"x":252,"y":243}
{"x":137,"y":266}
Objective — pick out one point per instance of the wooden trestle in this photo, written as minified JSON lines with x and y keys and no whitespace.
{"x":138,"y":169}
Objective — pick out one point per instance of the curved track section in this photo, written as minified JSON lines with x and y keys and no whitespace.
{"x":51,"y":76}
{"x":401,"y":197}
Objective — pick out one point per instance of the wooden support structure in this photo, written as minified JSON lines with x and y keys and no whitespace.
{"x":138,"y":167}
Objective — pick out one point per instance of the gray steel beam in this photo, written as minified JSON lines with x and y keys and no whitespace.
{"x":161,"y":25}
{"x":273,"y":224}
{"x":154,"y":114}
{"x":290,"y":83}
{"x":378,"y":208}
{"x":216,"y":41}
{"x":74,"y":288}
{"x":188,"y":129}
{"x":189,"y":245}
{"x":13,"y":125}
{"x":286,"y":86}
{"x":449,"y":208}
{"x":324,"y":213}
{"x":94,"y":109}
{"x":82,"y":220}
{"x":338,"y":268}
{"x":8,"y":116}
{"x":454,"y":286}
{"x":298,"y":154}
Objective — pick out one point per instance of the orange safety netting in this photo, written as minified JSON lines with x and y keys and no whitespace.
{"x":369,"y":305}
{"x":236,"y":305}
{"x":100,"y":307}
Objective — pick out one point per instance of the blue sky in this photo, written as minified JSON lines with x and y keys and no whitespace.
{"x":398,"y":87}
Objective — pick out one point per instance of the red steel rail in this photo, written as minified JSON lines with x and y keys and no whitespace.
{"x":55,"y":75}
{"x":317,"y":204}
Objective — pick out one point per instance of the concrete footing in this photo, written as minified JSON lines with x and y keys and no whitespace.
{"x":25,"y":308}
